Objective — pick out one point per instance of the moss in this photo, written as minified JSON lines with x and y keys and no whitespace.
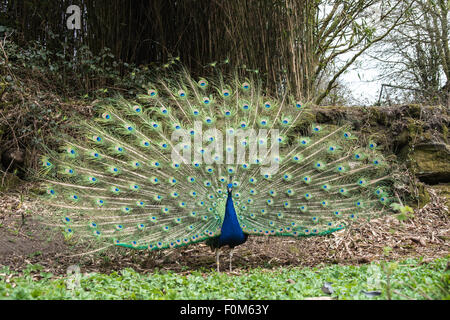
{"x":414,"y":110}
{"x":376,"y":116}
{"x":307,"y":118}
{"x":411,"y":134}
{"x":415,"y":128}
{"x":427,"y":136}
{"x":431,"y":159}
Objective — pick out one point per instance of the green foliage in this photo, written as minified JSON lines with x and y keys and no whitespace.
{"x":43,"y":89}
{"x":406,"y":212}
{"x":410,"y":279}
{"x":76,"y":73}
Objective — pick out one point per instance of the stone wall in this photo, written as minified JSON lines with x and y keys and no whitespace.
{"x":417,"y":136}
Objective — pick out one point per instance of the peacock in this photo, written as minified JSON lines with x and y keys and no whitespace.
{"x":210,"y":159}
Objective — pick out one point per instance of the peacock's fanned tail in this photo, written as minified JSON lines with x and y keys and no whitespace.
{"x":153,"y":173}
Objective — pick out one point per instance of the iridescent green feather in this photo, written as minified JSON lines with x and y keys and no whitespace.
{"x":119,"y":184}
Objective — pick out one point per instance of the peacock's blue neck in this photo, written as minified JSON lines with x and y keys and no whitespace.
{"x":231,"y":233}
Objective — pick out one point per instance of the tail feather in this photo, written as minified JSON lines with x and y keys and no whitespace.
{"x":152,"y":173}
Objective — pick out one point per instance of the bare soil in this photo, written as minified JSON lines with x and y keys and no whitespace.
{"x":25,"y":240}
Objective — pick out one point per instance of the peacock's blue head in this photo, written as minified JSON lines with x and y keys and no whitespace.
{"x":229,"y":186}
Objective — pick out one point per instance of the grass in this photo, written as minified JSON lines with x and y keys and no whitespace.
{"x":409,"y":279}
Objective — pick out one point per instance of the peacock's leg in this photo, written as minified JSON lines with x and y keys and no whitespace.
{"x":231,"y":256}
{"x":217,"y":259}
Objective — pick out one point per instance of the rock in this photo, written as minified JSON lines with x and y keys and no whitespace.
{"x":431,"y":163}
{"x":414,"y":135}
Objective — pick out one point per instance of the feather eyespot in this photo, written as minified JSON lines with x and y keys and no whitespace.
{"x":203,"y":83}
{"x":115,"y":189}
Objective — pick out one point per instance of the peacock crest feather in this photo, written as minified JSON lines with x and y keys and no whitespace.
{"x":209,"y":159}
